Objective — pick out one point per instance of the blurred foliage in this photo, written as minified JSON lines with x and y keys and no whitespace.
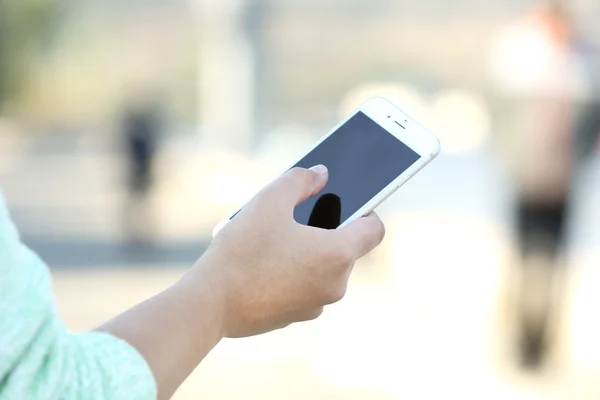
{"x":26,"y":27}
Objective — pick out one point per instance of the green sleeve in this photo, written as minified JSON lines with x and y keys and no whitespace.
{"x":39,"y":358}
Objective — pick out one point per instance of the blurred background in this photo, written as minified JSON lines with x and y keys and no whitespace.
{"x":128,"y":129}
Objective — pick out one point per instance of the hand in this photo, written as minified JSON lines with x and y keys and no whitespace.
{"x":269,"y":271}
{"x":262,"y":272}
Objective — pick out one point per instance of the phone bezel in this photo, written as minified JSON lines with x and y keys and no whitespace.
{"x":410,"y":132}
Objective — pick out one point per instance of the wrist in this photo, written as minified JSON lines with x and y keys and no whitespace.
{"x":208,"y":291}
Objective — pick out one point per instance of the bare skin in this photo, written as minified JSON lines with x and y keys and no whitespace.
{"x":262,"y":272}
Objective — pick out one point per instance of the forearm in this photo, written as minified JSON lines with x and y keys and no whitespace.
{"x":175,"y":329}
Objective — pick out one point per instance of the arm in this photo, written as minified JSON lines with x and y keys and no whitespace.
{"x":262,"y":272}
{"x":175,"y":329}
{"x":255,"y":277}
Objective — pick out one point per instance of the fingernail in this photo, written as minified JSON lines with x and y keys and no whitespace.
{"x":319,"y":169}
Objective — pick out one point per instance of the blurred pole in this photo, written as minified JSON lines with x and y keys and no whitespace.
{"x":226,"y":84}
{"x":27,"y":28}
{"x":4,"y":51}
{"x":253,"y":23}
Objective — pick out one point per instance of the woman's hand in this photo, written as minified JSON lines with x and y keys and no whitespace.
{"x":271,"y":271}
{"x":262,"y":272}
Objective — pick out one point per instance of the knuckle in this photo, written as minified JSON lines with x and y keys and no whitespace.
{"x":345,"y":256}
{"x":335,"y":294}
{"x":380,"y":231}
{"x":373,"y":235}
{"x":298,"y":174}
{"x":303,"y":176}
{"x":316,"y":313}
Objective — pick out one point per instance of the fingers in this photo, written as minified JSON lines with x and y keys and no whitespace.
{"x":363,"y":235}
{"x":298,"y":184}
{"x":311,"y":315}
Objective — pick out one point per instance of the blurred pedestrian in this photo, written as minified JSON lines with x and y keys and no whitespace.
{"x":557,"y":135}
{"x":140,"y":131}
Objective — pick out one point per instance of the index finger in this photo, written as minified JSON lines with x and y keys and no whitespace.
{"x":363,"y":235}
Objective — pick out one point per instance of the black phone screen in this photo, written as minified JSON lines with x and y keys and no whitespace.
{"x":362,"y":158}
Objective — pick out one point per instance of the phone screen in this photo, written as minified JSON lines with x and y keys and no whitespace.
{"x":362,"y":158}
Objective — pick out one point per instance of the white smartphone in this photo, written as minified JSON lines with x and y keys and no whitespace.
{"x":369,"y":156}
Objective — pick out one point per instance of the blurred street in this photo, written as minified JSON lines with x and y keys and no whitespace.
{"x":128,"y":130}
{"x":68,"y":195}
{"x":418,"y":328}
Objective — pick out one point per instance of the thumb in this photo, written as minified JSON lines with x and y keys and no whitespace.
{"x":297,"y":185}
